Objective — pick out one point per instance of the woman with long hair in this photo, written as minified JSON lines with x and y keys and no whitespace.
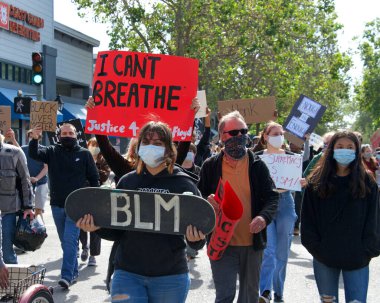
{"x":369,"y":160}
{"x":340,"y":220}
{"x":280,"y":231}
{"x":151,"y":267}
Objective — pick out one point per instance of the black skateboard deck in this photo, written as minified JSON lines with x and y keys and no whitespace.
{"x":141,"y":211}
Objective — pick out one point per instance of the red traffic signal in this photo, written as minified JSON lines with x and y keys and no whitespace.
{"x":37,"y":68}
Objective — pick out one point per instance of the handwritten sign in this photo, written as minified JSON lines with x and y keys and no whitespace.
{"x":201,"y":95}
{"x":21,"y":105}
{"x":53,"y":137}
{"x":128,"y":87}
{"x":253,"y":110}
{"x":316,"y":141}
{"x":44,"y":114}
{"x":5,"y":118}
{"x":285,"y":170}
{"x":303,"y":118}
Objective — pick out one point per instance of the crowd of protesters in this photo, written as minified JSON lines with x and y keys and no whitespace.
{"x":337,"y":212}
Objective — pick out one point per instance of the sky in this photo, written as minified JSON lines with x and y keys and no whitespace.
{"x":353,"y":14}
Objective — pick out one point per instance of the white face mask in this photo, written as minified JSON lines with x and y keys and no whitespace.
{"x":190,"y":157}
{"x":152,"y":155}
{"x":276,"y":141}
{"x":94,"y":150}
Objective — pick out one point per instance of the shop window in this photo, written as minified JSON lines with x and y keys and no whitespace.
{"x":11,"y":74}
{"x":17,"y":74}
{"x":4,"y":71}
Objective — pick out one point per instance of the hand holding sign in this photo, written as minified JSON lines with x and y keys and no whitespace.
{"x":36,"y":132}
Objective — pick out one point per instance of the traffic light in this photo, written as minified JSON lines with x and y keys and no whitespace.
{"x":37,"y":69}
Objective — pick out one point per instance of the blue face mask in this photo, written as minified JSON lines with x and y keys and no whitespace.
{"x":344,"y":156}
{"x":152,"y":155}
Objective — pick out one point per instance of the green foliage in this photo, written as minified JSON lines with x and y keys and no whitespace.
{"x":367,"y":92}
{"x":245,"y":48}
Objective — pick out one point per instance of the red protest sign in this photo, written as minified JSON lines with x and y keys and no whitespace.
{"x":130,"y":87}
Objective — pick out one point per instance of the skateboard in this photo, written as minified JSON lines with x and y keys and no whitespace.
{"x":141,"y":211}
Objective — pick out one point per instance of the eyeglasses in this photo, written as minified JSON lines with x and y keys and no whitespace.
{"x":235,"y":132}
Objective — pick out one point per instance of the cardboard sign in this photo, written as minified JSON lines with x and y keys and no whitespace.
{"x":253,"y":110}
{"x":5,"y":119}
{"x":316,"y":141}
{"x":21,"y":105}
{"x":303,"y":118}
{"x":44,"y":114}
{"x":201,"y":95}
{"x":53,"y":137}
{"x":131,"y":88}
{"x":375,"y":138}
{"x":285,"y":170}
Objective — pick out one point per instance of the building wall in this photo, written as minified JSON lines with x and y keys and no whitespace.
{"x":73,"y":63}
{"x":17,"y":49}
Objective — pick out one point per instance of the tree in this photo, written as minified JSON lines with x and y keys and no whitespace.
{"x":246,"y":48}
{"x":368,"y":91}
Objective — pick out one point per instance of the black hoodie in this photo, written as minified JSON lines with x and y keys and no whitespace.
{"x":341,"y":231}
{"x":152,"y":254}
{"x":69,"y":169}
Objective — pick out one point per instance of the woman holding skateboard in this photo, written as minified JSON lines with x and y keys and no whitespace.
{"x":151,"y":267}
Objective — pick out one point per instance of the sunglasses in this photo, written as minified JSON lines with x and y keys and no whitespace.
{"x":235,"y":132}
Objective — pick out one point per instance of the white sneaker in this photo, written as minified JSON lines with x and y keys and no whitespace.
{"x":91,"y":261}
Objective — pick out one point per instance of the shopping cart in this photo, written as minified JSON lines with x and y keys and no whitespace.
{"x":26,"y":285}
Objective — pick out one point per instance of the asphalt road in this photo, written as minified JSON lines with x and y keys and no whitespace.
{"x":300,"y":286}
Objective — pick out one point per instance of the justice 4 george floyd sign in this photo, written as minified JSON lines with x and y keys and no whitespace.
{"x":130,"y":89}
{"x":302,"y":120}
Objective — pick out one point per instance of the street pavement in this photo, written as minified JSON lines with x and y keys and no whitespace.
{"x":300,"y":285}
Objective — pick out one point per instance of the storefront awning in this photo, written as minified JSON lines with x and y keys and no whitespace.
{"x":74,"y":111}
{"x":6,"y":98}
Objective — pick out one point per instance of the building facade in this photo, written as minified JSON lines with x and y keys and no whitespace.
{"x":28,"y":26}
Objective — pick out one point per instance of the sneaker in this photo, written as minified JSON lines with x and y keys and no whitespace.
{"x":265,"y":297}
{"x":92,"y":261}
{"x":278,"y":298}
{"x":64,"y":283}
{"x":84,"y":255}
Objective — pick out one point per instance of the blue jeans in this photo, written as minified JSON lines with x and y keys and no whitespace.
{"x":68,"y":235}
{"x":8,"y":235}
{"x":132,"y":288}
{"x":355,"y":282}
{"x":276,"y":254}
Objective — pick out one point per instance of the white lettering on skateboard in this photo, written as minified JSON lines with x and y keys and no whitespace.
{"x":138,"y":223}
{"x":173,"y":202}
{"x":159,"y":202}
{"x":115,"y":210}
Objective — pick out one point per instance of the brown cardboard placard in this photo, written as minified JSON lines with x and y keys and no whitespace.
{"x":44,"y":114}
{"x":294,"y":139}
{"x":5,"y":118}
{"x":253,"y":110}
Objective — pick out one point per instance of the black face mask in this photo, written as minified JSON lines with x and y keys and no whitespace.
{"x":235,"y":147}
{"x":68,"y":142}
